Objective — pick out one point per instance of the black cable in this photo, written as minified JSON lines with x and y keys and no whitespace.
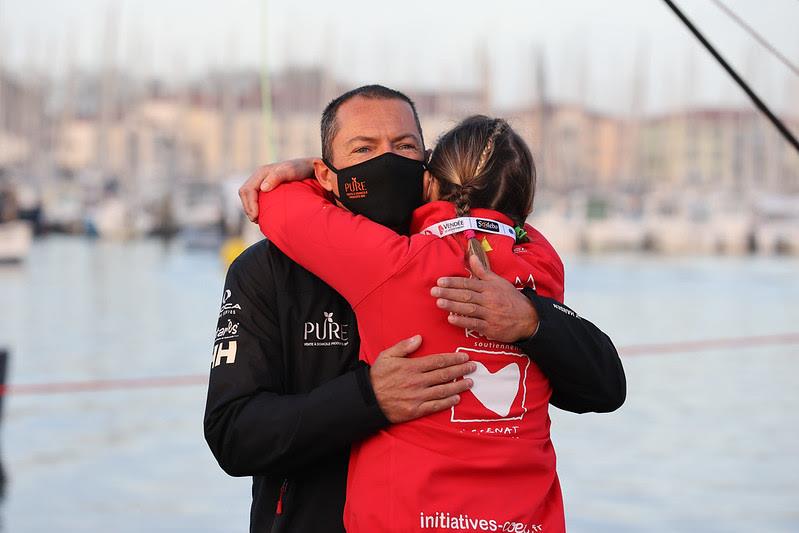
{"x":786,"y":133}
{"x":751,"y":31}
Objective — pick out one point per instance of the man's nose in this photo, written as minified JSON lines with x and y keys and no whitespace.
{"x":385,"y":147}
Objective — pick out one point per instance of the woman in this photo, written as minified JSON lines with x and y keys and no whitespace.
{"x":488,"y":463}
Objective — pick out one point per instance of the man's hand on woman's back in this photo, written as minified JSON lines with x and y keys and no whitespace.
{"x":487,"y":304}
{"x":408,"y":388}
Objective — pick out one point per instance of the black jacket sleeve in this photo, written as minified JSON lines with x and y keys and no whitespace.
{"x":579,"y":360}
{"x":251,"y":424}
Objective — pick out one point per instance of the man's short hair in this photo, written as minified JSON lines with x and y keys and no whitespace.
{"x":378,"y":92}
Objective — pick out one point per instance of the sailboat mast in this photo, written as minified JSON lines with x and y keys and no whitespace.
{"x":107,"y":93}
{"x":266,"y":91}
{"x":2,"y":73}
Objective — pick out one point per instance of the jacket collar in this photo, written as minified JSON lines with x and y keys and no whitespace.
{"x":433,"y":212}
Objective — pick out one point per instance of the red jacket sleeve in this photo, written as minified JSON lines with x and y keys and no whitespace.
{"x":349,"y":252}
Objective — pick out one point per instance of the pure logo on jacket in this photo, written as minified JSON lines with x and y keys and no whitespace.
{"x":328,"y":332}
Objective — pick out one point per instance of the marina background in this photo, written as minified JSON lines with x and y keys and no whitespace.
{"x":126,"y":128}
{"x":707,"y":440}
{"x":641,"y":142}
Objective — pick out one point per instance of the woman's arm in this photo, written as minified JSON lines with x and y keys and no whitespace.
{"x":267,"y":177}
{"x":349,"y":252}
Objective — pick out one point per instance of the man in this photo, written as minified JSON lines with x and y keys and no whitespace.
{"x":287,"y":396}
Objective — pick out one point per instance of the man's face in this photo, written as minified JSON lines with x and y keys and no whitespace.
{"x":369,"y":127}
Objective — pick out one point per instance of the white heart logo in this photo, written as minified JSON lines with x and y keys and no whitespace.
{"x":496,"y":391}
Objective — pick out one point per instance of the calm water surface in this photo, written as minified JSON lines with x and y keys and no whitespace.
{"x":707,"y":441}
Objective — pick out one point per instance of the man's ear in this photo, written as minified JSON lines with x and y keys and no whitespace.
{"x":427,"y":154}
{"x":325,"y":176}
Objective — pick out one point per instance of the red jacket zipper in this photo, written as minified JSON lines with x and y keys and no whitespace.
{"x":279,"y":509}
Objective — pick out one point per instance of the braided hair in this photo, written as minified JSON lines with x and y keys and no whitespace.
{"x":483,"y":163}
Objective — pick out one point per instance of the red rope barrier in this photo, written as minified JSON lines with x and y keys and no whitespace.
{"x":710,"y":344}
{"x":202,"y":379}
{"x":103,"y":385}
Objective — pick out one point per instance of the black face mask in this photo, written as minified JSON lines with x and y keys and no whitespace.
{"x":385,"y":189}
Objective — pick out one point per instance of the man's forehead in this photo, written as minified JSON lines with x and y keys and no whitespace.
{"x":371,"y":117}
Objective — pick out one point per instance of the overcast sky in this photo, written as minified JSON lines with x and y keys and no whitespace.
{"x":425,"y":43}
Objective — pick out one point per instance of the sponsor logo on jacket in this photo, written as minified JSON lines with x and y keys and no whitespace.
{"x":328,"y":332}
{"x":457,"y":224}
{"x":224,"y":351}
{"x":521,"y":284}
{"x":463,"y":522}
{"x":228,"y":307}
{"x":499,"y":390}
{"x":487,"y":225}
{"x":565,"y":310}
{"x":229,"y":331}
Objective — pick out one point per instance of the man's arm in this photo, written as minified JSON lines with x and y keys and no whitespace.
{"x":579,"y":360}
{"x":254,"y":427}
{"x":251,"y":424}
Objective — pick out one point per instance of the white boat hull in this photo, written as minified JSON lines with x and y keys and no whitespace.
{"x":16,"y":238}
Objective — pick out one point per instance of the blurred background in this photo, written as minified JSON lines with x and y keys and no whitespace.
{"x":127,"y":127}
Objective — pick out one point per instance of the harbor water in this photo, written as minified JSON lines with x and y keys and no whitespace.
{"x":708,"y":440}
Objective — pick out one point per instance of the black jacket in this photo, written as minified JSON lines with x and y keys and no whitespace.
{"x":287,"y":395}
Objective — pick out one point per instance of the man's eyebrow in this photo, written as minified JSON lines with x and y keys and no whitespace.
{"x":374,"y":140}
{"x":362,"y":139}
{"x":406,"y":136}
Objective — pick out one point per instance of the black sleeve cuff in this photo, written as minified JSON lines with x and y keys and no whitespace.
{"x":347,"y":406}
{"x":579,"y":360}
{"x":543,"y":324}
{"x":365,"y":383}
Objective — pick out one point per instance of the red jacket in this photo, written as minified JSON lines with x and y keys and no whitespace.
{"x":488,"y":463}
